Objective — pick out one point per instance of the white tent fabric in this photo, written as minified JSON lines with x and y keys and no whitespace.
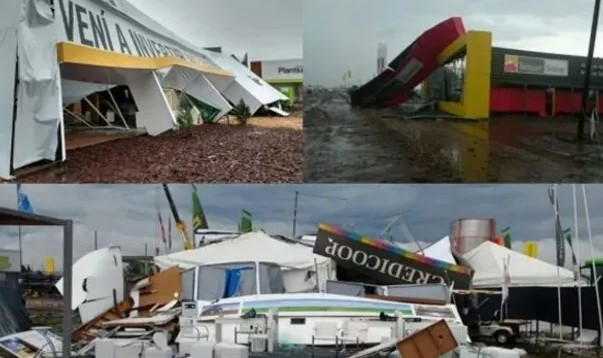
{"x":74,"y":91}
{"x":97,"y":272}
{"x":440,"y":250}
{"x":295,"y":259}
{"x":9,"y":17}
{"x":40,"y":111}
{"x":487,"y":261}
{"x":35,"y":29}
{"x":197,"y":85}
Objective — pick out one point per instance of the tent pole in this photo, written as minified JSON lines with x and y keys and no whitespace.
{"x":78,"y":118}
{"x":117,"y":109}
{"x":98,"y":112}
{"x":592,"y":255}
{"x":576,"y":244}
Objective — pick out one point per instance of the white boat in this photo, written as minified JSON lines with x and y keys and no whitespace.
{"x":300,"y":318}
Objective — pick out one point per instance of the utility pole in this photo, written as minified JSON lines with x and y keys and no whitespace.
{"x":587,"y":74}
{"x":95,"y":240}
{"x":295,"y":213}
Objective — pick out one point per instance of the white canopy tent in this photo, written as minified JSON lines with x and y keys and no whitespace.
{"x":296,"y":260}
{"x":440,"y":250}
{"x":488,"y":262}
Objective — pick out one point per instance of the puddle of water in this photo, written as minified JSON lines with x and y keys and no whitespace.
{"x":349,"y":144}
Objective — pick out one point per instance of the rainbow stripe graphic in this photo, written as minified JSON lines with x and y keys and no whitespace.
{"x":388,"y":246}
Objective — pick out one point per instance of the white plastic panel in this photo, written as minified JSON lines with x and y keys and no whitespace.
{"x":154,"y":113}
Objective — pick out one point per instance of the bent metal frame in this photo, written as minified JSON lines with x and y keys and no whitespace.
{"x":9,"y":217}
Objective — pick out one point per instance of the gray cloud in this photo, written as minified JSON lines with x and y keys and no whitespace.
{"x":126,"y":215}
{"x":342,"y":35}
{"x":267,"y":29}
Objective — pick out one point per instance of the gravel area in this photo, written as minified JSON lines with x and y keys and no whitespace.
{"x":211,"y":154}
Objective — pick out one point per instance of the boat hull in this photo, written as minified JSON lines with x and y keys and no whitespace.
{"x":298,"y":314}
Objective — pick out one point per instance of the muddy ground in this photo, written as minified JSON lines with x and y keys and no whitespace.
{"x":264,"y":151}
{"x":344,"y":144}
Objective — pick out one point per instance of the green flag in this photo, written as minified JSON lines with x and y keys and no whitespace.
{"x":567,"y":235}
{"x":199,"y":220}
{"x":246,"y":225}
{"x":506,"y":234}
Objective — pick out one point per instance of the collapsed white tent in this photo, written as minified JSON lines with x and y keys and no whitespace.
{"x":247,"y":86}
{"x":488,"y":260}
{"x":32,"y":127}
{"x":295,"y":260}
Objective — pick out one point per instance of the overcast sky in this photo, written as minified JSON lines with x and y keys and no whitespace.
{"x":267,"y":29}
{"x":126,"y":215}
{"x":343,"y":35}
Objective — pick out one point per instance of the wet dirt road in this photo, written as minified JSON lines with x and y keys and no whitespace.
{"x":342,"y":144}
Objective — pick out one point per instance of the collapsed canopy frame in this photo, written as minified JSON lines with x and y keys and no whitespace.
{"x":10,"y":217}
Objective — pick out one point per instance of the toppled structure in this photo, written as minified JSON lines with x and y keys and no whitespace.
{"x":428,"y":52}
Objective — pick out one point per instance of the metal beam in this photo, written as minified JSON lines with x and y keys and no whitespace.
{"x":67,"y":287}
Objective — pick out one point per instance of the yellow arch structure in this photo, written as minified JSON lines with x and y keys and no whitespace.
{"x":475,"y":99}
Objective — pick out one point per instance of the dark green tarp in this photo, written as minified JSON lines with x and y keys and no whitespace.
{"x":208,"y":113}
{"x":13,"y":315}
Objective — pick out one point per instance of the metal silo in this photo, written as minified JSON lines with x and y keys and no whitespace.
{"x":467,"y":234}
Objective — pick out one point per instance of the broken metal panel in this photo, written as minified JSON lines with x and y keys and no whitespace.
{"x":155,"y":114}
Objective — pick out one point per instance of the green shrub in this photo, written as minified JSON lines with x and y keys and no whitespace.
{"x":184,"y":117}
{"x":241,"y":111}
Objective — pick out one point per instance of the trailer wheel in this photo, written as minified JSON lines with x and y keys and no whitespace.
{"x":502,"y":337}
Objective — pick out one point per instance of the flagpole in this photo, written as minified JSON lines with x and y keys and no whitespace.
{"x":295,"y":213}
{"x":556,"y":211}
{"x":157,"y":229}
{"x":577,"y":240}
{"x":592,"y":255}
{"x":20,"y":248}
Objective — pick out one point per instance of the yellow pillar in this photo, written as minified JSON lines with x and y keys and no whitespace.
{"x":475,"y":100}
{"x":476,"y":91}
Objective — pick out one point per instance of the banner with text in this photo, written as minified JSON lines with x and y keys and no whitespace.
{"x":536,"y":66}
{"x":89,"y":23}
{"x":386,"y":262}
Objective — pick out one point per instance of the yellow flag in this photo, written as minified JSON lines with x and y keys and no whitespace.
{"x":530,"y":248}
{"x":49,"y":265}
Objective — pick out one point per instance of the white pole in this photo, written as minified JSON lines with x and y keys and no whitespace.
{"x":555,"y":210}
{"x":576,"y":244}
{"x":592,"y":255}
{"x":257,"y":279}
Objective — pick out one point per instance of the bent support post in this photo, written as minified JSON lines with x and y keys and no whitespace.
{"x":121,"y":116}
{"x":154,"y":113}
{"x":78,"y":118}
{"x":98,"y":111}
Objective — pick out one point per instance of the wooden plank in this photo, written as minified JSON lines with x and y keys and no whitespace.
{"x":430,"y":342}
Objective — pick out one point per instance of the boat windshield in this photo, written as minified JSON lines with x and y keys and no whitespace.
{"x":231,"y":280}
